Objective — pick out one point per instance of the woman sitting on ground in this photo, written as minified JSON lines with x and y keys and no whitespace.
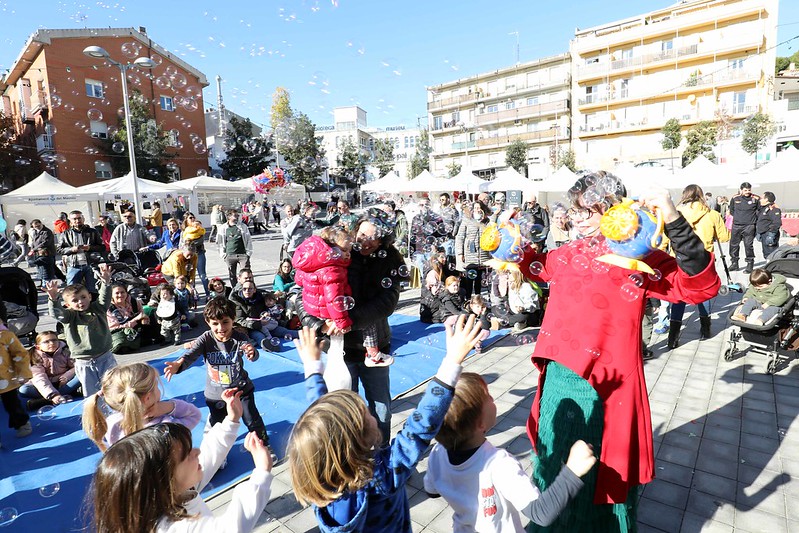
{"x":129,"y":323}
{"x":284,"y":277}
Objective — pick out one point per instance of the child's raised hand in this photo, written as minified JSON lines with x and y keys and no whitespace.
{"x":307,"y":346}
{"x":260,"y":453}
{"x":171,"y":368}
{"x":232,"y":398}
{"x":105,"y":272}
{"x":581,"y":458}
{"x":52,"y":289}
{"x":462,"y":337}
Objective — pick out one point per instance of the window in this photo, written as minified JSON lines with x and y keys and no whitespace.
{"x":407,"y":142}
{"x":413,"y":142}
{"x":94,"y":88}
{"x":736,"y":64}
{"x":493,"y":108}
{"x":738,"y":102}
{"x":102,"y":169}
{"x":625,"y":88}
{"x":666,"y":45}
{"x":166,"y":103}
{"x":510,"y":105}
{"x":99,"y":129}
{"x":592,"y":60}
{"x":173,"y":172}
{"x":438,"y":123}
{"x":532,"y":101}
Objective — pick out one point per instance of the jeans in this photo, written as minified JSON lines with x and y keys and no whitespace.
{"x":29,"y":390}
{"x":82,"y":274}
{"x":201,"y":261}
{"x":159,"y":230}
{"x":45,"y":266}
{"x":747,"y":235}
{"x":250,"y":415}
{"x":234,"y":262}
{"x":258,"y":337}
{"x":17,"y":417}
{"x":376,"y":388}
{"x":280,"y":331}
{"x":767,"y":314}
{"x":678,"y":310}
{"x":90,"y":371}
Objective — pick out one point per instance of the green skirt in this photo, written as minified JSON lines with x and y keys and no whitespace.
{"x":570,"y":410}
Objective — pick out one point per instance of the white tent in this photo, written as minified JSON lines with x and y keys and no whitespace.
{"x":119,"y":188}
{"x":465,"y":180}
{"x":45,"y":197}
{"x":781,"y":176}
{"x":426,"y":182}
{"x":391,"y":182}
{"x":509,"y":180}
{"x":207,"y":183}
{"x":708,"y":175}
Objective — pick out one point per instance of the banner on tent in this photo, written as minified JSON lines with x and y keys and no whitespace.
{"x":52,"y":199}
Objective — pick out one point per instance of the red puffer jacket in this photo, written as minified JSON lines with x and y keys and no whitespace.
{"x":322,"y":274}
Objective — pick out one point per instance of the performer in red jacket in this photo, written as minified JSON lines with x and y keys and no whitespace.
{"x":588,"y":351}
{"x":321,"y":264}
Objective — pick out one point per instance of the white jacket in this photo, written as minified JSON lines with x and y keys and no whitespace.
{"x":249,"y":497}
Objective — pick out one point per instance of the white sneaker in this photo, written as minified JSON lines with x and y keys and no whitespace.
{"x":379,"y":360}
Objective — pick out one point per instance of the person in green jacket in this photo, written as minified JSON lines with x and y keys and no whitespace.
{"x":767,"y":292}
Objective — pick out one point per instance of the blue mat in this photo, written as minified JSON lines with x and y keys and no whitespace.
{"x":44,"y":477}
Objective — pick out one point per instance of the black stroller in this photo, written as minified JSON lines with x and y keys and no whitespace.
{"x":131,"y":269}
{"x":777,"y":337}
{"x":21,"y":298}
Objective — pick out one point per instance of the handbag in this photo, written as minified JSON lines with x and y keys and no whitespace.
{"x":336,"y":374}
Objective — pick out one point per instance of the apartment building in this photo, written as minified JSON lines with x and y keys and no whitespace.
{"x":786,"y":108}
{"x":65,"y":103}
{"x":472,"y":121}
{"x":694,"y":60}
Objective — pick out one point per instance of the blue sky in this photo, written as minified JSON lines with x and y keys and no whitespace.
{"x":330,"y":53}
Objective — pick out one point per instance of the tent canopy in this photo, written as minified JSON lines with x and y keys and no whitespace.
{"x":391,"y":182}
{"x":509,"y":180}
{"x":110,"y":189}
{"x":465,"y":180}
{"x":47,"y":189}
{"x":426,"y":182}
{"x":207,"y":183}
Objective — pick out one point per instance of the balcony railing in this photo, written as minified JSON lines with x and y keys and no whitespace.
{"x":454,"y":100}
{"x":560,"y":106}
{"x":463,"y":145}
{"x":636,"y":61}
{"x":507,"y":139}
{"x":44,"y":143}
{"x":485,"y":96}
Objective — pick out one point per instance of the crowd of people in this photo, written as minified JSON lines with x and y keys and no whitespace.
{"x":341,"y":274}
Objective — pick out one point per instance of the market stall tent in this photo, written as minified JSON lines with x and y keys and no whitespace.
{"x":45,"y":197}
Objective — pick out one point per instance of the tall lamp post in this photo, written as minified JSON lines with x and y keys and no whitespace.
{"x":98,"y":52}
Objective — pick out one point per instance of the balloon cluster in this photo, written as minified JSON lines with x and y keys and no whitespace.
{"x":268,"y":179}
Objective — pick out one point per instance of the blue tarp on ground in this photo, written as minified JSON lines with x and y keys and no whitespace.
{"x":44,"y":477}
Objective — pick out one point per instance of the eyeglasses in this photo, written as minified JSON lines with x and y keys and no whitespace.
{"x":580,"y":213}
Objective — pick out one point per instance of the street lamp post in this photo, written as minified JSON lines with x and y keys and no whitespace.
{"x":98,"y":52}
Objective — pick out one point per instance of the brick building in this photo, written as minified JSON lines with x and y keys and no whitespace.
{"x":68,"y":105}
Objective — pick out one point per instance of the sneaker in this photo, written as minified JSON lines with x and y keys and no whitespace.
{"x":660,"y":329}
{"x":266,"y":345}
{"x":379,"y":360}
{"x":648,"y":354}
{"x":478,"y":348}
{"x":518,"y":326}
{"x":24,"y":430}
{"x":739,"y":317}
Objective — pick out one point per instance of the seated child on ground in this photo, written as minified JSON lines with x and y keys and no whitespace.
{"x":217,"y":287}
{"x":274,"y":317}
{"x":431,"y":288}
{"x":250,"y":308}
{"x":223,"y":349}
{"x":15,"y":368}
{"x":321,"y":263}
{"x":151,"y":480}
{"x":86,"y":327}
{"x":486,"y":487}
{"x":335,"y":459}
{"x":133,"y":392}
{"x":477,"y":307}
{"x":54,"y":380}
{"x":451,"y":301}
{"x":186,"y":299}
{"x":168,"y":314}
{"x":767,"y":292}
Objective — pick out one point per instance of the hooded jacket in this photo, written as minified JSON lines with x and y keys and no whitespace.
{"x":705,"y":222}
{"x":322,"y":274}
{"x":775,"y":293}
{"x":51,"y":371}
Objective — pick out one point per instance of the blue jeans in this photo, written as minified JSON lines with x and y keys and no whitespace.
{"x":29,"y":390}
{"x":678,"y":310}
{"x":82,"y":274}
{"x":376,"y":388}
{"x":280,"y":331}
{"x":258,"y":336}
{"x":201,"y":259}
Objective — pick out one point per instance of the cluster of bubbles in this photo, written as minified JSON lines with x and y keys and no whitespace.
{"x":599,"y":187}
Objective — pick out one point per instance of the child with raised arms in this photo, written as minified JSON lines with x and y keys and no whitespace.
{"x":486,"y":487}
{"x":335,"y":459}
{"x":151,"y":480}
{"x":133,"y":392}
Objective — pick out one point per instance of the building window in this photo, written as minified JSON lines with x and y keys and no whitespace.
{"x":510,"y":105}
{"x":413,"y":142}
{"x":625,"y":88}
{"x":592,"y":60}
{"x":102,"y":169}
{"x":94,"y":88}
{"x":166,"y":103}
{"x":532,"y":101}
{"x":666,"y":45}
{"x":493,"y":108}
{"x":736,"y":64}
{"x":99,"y":129}
{"x":738,"y":102}
{"x":407,"y":142}
{"x":438,"y":123}
{"x":173,"y":173}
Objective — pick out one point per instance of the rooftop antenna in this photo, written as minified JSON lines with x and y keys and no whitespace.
{"x":516,"y":33}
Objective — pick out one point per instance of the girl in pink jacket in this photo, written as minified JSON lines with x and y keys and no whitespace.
{"x":321,"y":263}
{"x":54,"y":380}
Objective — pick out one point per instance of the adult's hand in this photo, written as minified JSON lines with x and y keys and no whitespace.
{"x":657,"y":198}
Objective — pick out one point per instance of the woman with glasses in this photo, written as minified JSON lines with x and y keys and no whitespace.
{"x":193,"y":236}
{"x":589,"y":352}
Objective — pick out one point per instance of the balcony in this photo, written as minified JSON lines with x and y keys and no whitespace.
{"x":44,"y":143}
{"x":518,"y":113}
{"x":461,"y":146}
{"x":598,"y":69}
{"x":455,"y":100}
{"x":529,"y":136}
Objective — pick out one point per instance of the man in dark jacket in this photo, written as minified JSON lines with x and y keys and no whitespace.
{"x":769,"y":222}
{"x":743,"y":208}
{"x":42,"y":251}
{"x":76,"y":246}
{"x":374,"y":260}
{"x":540,"y":218}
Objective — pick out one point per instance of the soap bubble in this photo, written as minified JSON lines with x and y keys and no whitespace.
{"x":382,"y":254}
{"x":288,"y":337}
{"x":178,"y":80}
{"x":55,"y":100}
{"x":581,"y":262}
{"x":655,"y":275}
{"x":723,"y":290}
{"x":386,"y":283}
{"x":629,"y":292}
{"x":46,"y":413}
{"x":162,"y":82}
{"x":637,"y":279}
{"x":593,"y":352}
{"x":7,"y":516}
{"x":591,"y":196}
{"x":274,"y":341}
{"x":536,"y":268}
{"x":130,"y":50}
{"x":48,"y":491}
{"x":153,"y":171}
{"x":404,"y":271}
{"x":202,"y":172}
{"x":343,"y":303}
{"x":471,"y":274}
{"x":200,"y":149}
{"x":50,"y":129}
{"x":118,"y":147}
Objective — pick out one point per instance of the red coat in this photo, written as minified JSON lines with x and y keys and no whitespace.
{"x":592,"y":325}
{"x":323,"y":278}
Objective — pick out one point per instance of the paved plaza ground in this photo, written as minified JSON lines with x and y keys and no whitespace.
{"x":726,"y":440}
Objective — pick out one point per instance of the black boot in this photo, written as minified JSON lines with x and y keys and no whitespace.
{"x":750,"y":266}
{"x":734,"y":265}
{"x":38,"y":403}
{"x":674,"y":334}
{"x":704,"y":327}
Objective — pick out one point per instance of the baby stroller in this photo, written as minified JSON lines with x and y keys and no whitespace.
{"x":21,"y":298}
{"x":128,"y":275}
{"x":777,"y":337}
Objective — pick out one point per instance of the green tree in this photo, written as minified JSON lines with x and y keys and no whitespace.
{"x":757,"y":130}
{"x":295,"y":138}
{"x":672,"y":137}
{"x":700,"y":140}
{"x":384,"y":156}
{"x":783,"y":63}
{"x":453,"y":169}
{"x":18,"y":163}
{"x":246,"y":155}
{"x":149,"y":140}
{"x":421,"y":159}
{"x":350,"y":161}
{"x":516,"y":157}
{"x":281,"y":108}
{"x":568,"y":159}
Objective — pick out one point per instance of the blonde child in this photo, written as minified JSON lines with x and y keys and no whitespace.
{"x":15,"y":369}
{"x":151,"y":480}
{"x":486,"y":487}
{"x":86,"y":327}
{"x":477,"y":307}
{"x":133,"y":392}
{"x":321,"y":263}
{"x":54,"y":380}
{"x":335,"y":459}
